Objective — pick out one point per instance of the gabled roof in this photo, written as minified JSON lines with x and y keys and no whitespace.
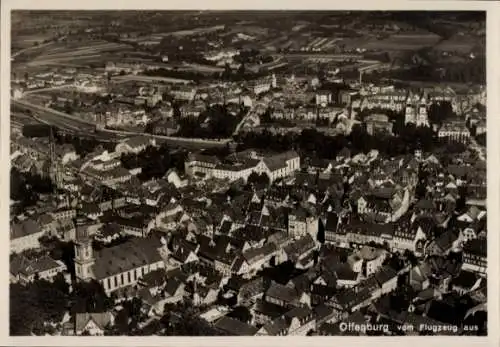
{"x":281,"y":292}
{"x":446,"y":239}
{"x":127,"y":256}
{"x":385,"y":274}
{"x":24,"y":228}
{"x":302,"y":283}
{"x":234,"y":327}
{"x":424,"y":204}
{"x":303,"y":313}
{"x":255,"y":254}
{"x":331,"y":222}
{"x":300,"y":246}
{"x":476,"y":247}
{"x":225,"y":227}
{"x":351,"y":296}
{"x":279,"y":326}
{"x":268,"y":309}
{"x":183,"y":250}
{"x":154,"y":278}
{"x":172,"y":286}
{"x":44,"y":263}
{"x":100,"y":319}
{"x":18,"y":263}
{"x":465,"y":279}
{"x":344,"y":272}
{"x":278,"y":161}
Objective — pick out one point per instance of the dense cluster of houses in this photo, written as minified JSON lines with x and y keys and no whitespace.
{"x":352,"y":229}
{"x":57,"y":77}
{"x":257,"y":243}
{"x":297,"y":99}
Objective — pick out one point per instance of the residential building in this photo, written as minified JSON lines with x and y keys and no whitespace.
{"x":456,"y":132}
{"x":370,"y":258}
{"x":44,"y":267}
{"x":93,"y":324}
{"x":25,"y":235}
{"x":302,"y":223}
{"x":323,"y":98}
{"x":298,"y":321}
{"x":386,"y":204}
{"x":185,"y":93}
{"x":475,"y":256}
{"x":378,"y":123}
{"x":135,"y":144}
{"x":409,"y":237}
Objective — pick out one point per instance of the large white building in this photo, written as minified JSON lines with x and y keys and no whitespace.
{"x":454,"y":132}
{"x":186,"y":93}
{"x":241,"y":166}
{"x":384,"y":99}
{"x":263,"y":85}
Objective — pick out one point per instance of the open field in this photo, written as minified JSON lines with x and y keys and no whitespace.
{"x":403,"y":42}
{"x":39,"y":99}
{"x":395,"y":42}
{"x":141,"y":78}
{"x":201,"y":68}
{"x":145,"y":40}
{"x":249,"y":30}
{"x":194,"y":31}
{"x":60,"y":52}
{"x":64,"y":65}
{"x":29,"y":40}
{"x":462,"y":44}
{"x":63,"y":59}
{"x":31,"y":48}
{"x":305,"y":55}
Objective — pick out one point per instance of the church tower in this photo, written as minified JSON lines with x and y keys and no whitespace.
{"x":274,"y":81}
{"x":84,"y":254}
{"x":409,"y":111}
{"x":422,"y":117}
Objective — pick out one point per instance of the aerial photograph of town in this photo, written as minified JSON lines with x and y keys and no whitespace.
{"x":248,"y":173}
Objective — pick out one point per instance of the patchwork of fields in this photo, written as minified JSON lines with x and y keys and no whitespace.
{"x":76,"y":53}
{"x":394,"y":42}
{"x":462,"y":44}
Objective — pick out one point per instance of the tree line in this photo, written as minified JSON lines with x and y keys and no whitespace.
{"x":26,"y":188}
{"x":215,"y":122}
{"x":312,"y":142}
{"x":36,"y":305}
{"x":154,"y":162}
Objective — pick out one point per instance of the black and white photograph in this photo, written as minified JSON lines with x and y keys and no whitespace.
{"x":248,"y":173}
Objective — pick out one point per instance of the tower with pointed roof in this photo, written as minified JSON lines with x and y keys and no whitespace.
{"x":422,"y":119}
{"x":84,"y":254}
{"x":410,"y":112}
{"x":53,"y":168}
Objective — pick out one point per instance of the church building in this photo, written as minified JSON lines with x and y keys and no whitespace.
{"x":119,"y":266}
{"x":416,"y":111}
